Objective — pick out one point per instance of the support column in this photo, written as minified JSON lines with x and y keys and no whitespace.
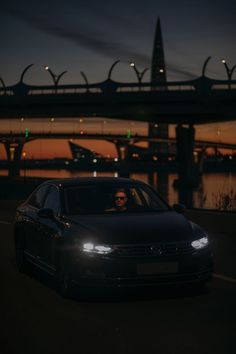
{"x":123,"y":155}
{"x":200,"y":161}
{"x":188,"y":175}
{"x":159,"y":180}
{"x":14,"y":151}
{"x":158,"y":131}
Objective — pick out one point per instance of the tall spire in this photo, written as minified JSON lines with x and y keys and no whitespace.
{"x":158,"y":72}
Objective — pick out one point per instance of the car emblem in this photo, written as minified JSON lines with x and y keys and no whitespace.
{"x":156,"y":251}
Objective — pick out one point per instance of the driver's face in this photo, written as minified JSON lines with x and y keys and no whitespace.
{"x":120,"y":199}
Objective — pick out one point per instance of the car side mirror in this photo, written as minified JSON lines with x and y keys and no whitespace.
{"x":46,"y":213}
{"x":179,"y":208}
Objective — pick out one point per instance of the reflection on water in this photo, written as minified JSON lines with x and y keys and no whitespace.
{"x":205,"y":196}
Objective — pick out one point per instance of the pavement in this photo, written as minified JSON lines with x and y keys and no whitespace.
{"x":36,"y":320}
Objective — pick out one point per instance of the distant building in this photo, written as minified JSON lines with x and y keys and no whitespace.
{"x":80,"y":153}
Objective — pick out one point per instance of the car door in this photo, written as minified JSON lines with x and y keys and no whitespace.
{"x":31,"y":208}
{"x":50,"y":229}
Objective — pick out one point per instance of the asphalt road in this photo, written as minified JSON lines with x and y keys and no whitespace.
{"x":36,"y":320}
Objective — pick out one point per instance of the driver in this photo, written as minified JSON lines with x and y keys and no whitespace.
{"x":120,"y":201}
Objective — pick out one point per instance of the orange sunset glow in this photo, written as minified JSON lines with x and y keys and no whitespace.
{"x":51,"y":148}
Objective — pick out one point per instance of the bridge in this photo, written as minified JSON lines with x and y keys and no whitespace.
{"x":199,"y":101}
{"x":14,"y":143}
{"x":20,"y":137}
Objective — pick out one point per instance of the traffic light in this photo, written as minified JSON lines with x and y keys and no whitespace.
{"x":128,"y":133}
{"x":26,"y":133}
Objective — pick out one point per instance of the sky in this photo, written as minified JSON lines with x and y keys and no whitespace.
{"x":88,"y":36}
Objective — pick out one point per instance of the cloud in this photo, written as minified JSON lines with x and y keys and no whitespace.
{"x":177,"y":70}
{"x":86,"y":36}
{"x":89,"y":38}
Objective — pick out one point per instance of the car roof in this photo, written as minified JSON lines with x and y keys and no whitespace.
{"x":92,"y":180}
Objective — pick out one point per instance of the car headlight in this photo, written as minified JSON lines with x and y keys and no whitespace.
{"x":201,"y":237}
{"x":100,"y":249}
{"x":201,"y":243}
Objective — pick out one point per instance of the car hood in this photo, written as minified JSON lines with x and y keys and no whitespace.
{"x":133,"y":228}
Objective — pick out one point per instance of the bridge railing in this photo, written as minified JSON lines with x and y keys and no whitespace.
{"x":202,"y":84}
{"x":109,"y":136}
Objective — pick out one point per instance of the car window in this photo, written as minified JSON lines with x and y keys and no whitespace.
{"x":37,"y":198}
{"x":136,"y":196}
{"x":52,"y":200}
{"x":90,"y":199}
{"x":150,"y":201}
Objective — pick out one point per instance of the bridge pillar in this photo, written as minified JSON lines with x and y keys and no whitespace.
{"x":200,"y":160}
{"x":14,"y":151}
{"x":123,"y":155}
{"x":188,"y":175}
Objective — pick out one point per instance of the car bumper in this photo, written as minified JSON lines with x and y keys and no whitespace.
{"x":145,"y":281}
{"x":109,"y":272}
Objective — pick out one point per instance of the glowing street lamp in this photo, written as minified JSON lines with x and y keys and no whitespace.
{"x":21,"y":122}
{"x":138,"y":73}
{"x":50,"y":124}
{"x":55,"y":78}
{"x":24,"y":157}
{"x":228,"y":71}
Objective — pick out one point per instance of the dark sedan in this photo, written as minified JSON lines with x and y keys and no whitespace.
{"x":109,"y":232}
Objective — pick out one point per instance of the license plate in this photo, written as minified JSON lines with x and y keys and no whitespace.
{"x":157,"y":268}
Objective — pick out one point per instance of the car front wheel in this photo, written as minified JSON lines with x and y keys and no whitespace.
{"x":20,"y":256}
{"x":64,"y":281}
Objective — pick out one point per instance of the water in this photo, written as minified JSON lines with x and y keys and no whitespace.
{"x":210,"y":194}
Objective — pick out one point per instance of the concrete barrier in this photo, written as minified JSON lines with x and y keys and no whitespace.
{"x":213,"y":220}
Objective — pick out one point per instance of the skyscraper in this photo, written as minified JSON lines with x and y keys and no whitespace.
{"x":158,"y":75}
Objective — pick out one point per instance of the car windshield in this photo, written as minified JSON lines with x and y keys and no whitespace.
{"x":109,"y":199}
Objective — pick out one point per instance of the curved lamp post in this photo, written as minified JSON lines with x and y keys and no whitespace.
{"x":205,"y":65}
{"x":3,"y":85}
{"x":138,"y":73}
{"x":24,"y":72}
{"x":228,"y":71}
{"x":55,"y":78}
{"x":85,"y":79}
{"x":111,"y":69}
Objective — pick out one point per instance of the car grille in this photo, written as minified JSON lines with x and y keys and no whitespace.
{"x":154,"y":250}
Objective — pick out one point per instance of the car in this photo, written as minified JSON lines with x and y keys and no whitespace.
{"x":109,"y":232}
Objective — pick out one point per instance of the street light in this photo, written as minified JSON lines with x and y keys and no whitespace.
{"x":138,"y":73}
{"x":85,"y":79}
{"x":111,"y":69}
{"x":51,"y":121}
{"x":55,"y":78}
{"x":228,"y":71}
{"x":24,"y":72}
{"x":205,"y":65}
{"x":3,"y":85}
{"x":24,"y":157}
{"x":21,"y":121}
